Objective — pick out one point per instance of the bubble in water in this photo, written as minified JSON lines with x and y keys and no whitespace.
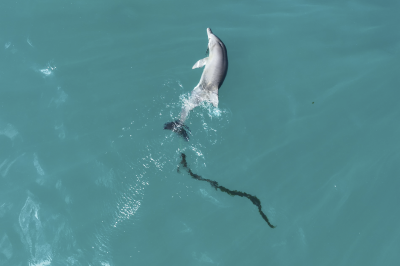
{"x":46,"y":71}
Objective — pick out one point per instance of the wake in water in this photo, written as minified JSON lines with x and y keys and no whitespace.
{"x":208,"y":115}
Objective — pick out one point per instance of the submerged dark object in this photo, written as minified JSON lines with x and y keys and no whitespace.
{"x":215,"y":185}
{"x":179,"y":128}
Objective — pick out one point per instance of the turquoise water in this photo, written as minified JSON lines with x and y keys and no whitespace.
{"x":307,"y":122}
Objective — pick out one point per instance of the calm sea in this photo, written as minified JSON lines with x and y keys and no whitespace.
{"x":308,"y":122}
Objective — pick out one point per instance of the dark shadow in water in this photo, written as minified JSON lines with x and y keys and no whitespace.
{"x":215,"y":185}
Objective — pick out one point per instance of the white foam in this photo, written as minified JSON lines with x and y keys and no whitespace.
{"x":6,"y":247}
{"x":29,"y":41}
{"x":59,"y":99}
{"x":9,"y":131}
{"x":68,"y":199}
{"x":5,"y":171}
{"x":59,"y":184}
{"x":45,"y":262}
{"x":4,"y":208}
{"x":33,"y":235}
{"x":39,"y":169}
{"x":25,"y":217}
{"x":48,"y":70}
{"x":62,"y":96}
{"x":61,"y":131}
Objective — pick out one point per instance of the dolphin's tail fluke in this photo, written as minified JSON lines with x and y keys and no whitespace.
{"x":179,"y":128}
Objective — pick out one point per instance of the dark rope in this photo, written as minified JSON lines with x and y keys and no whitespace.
{"x":215,"y":185}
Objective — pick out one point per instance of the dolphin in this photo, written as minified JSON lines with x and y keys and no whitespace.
{"x":214,"y":73}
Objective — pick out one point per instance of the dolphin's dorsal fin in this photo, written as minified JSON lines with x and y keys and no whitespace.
{"x":200,"y":63}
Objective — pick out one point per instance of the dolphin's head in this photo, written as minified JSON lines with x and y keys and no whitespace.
{"x":212,"y":39}
{"x":208,"y":32}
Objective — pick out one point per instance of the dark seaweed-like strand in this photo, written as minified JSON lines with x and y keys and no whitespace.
{"x":215,"y":185}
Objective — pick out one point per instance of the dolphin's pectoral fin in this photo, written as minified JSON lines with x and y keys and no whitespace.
{"x":213,"y":98}
{"x":200,"y":63}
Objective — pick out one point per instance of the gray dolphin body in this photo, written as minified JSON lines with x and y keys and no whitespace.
{"x":214,"y":73}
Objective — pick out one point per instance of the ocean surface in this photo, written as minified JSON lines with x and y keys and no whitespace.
{"x":308,"y":122}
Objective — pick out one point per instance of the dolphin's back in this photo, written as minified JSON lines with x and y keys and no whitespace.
{"x":216,"y":68}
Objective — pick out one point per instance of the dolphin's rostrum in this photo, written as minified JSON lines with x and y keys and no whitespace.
{"x":216,"y":67}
